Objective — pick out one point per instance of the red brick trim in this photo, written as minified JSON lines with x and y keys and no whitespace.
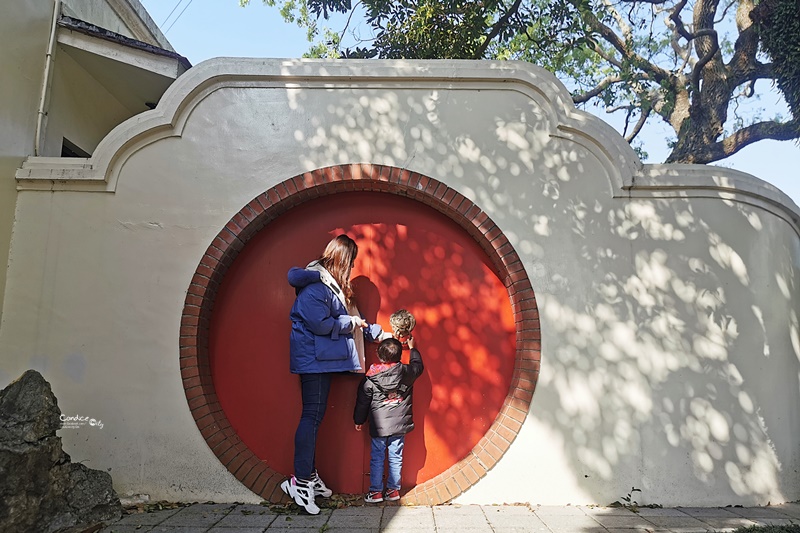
{"x":194,"y":361}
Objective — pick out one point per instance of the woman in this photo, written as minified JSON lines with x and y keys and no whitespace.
{"x":327,"y":337}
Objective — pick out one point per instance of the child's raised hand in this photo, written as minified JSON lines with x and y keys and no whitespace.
{"x":358,"y":427}
{"x":411,"y":342}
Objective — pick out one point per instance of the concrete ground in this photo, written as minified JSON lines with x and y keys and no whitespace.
{"x":239,"y":518}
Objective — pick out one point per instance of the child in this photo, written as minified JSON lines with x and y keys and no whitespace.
{"x":385,"y":396}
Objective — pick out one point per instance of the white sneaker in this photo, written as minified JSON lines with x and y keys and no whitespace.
{"x":320,"y":489}
{"x":302,"y":493}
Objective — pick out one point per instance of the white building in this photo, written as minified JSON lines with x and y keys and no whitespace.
{"x":73,"y":70}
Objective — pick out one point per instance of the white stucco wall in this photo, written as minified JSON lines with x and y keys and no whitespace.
{"x":667,"y":295}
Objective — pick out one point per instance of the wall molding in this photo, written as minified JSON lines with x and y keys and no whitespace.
{"x":629,"y":178}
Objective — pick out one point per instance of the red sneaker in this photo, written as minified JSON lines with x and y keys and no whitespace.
{"x":373,"y":497}
{"x":392,"y":495}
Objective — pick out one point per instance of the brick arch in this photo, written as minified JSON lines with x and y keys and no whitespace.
{"x":195,"y":321}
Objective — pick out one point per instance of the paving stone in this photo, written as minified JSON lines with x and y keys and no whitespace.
{"x":576,"y":529}
{"x":462,"y":529}
{"x":408,"y":517}
{"x":622,"y":522}
{"x":178,"y":529}
{"x":300,"y":521}
{"x":572,"y":524}
{"x":592,"y":510}
{"x":461,"y":510}
{"x":248,"y":516}
{"x":512,"y":517}
{"x":207,"y":508}
{"x":727,"y":523}
{"x":146,"y":519}
{"x":715,"y":512}
{"x":125,"y":529}
{"x":776,"y":521}
{"x":403,"y":529}
{"x":508,"y":509}
{"x":649,"y":529}
{"x":369,"y":510}
{"x":674,"y":522}
{"x":294,"y":529}
{"x":354,"y":530}
{"x":467,"y":516}
{"x":217,"y":529}
{"x":657,"y":511}
{"x":515,"y":522}
{"x":548,"y":510}
{"x":789,"y":509}
{"x":238,"y":518}
{"x":532,"y":527}
{"x":356,"y":517}
{"x":199,"y":515}
{"x":757,"y":512}
{"x":525,"y":523}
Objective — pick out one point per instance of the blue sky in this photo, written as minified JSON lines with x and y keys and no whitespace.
{"x":203,"y":29}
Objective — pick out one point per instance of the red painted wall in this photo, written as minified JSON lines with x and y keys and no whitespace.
{"x":410,"y":256}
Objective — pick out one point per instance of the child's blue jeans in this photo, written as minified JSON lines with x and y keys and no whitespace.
{"x":380,"y":445}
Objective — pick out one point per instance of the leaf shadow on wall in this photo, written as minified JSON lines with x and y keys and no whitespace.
{"x":662,"y":343}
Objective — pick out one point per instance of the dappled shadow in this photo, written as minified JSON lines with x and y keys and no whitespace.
{"x":425,"y":263}
{"x":663,"y":379}
{"x":665,"y":322}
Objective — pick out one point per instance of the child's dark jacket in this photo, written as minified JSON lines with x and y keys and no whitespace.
{"x":385,"y":396}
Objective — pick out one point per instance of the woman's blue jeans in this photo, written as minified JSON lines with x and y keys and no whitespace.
{"x":380,"y":445}
{"x":314,"y":390}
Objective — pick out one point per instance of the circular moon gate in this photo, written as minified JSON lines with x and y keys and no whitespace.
{"x":422,"y":246}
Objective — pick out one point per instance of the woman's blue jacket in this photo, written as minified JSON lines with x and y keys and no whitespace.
{"x":322,"y":330}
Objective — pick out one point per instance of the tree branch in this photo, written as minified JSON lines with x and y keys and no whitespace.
{"x":623,"y":26}
{"x":745,"y":49}
{"x":353,"y":10}
{"x":627,"y":107}
{"x":703,"y":24}
{"x":675,"y":17}
{"x":703,"y":61}
{"x":599,"y":88}
{"x":639,"y":125}
{"x":722,"y":16}
{"x":605,"y":55}
{"x":680,"y":28}
{"x":777,"y":131}
{"x":681,"y":52}
{"x":658,"y":73}
{"x":755,"y":72}
{"x":496,"y":29}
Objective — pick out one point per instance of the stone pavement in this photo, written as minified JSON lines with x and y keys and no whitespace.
{"x":239,"y":518}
